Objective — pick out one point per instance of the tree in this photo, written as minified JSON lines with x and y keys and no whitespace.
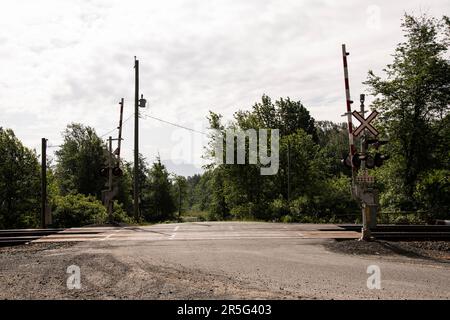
{"x":286,"y":115}
{"x":161,"y":204}
{"x":79,"y":161}
{"x":199,"y":195}
{"x":218,"y":206}
{"x":125,"y":195}
{"x":240,"y":190}
{"x":125,"y":188}
{"x":333,"y":141}
{"x":19,"y":183}
{"x":414,"y":99}
{"x":191,"y":183}
{"x":179,"y":192}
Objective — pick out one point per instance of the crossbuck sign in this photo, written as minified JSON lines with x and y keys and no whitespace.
{"x":365,"y":123}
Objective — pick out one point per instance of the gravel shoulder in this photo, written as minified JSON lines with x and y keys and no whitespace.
{"x":437,"y":251}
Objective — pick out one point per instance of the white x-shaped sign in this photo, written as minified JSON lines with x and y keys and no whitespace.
{"x":365,"y":123}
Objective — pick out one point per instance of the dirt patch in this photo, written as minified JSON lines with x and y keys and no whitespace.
{"x":429,"y":250}
{"x":39,"y":271}
{"x":34,"y":247}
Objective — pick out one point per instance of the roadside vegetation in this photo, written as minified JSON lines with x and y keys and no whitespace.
{"x":412,"y":95}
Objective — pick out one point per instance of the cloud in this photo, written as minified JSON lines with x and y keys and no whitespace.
{"x":72,"y":61}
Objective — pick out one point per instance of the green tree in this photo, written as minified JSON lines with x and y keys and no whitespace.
{"x":333,"y":142}
{"x":414,"y":99}
{"x":19,"y":183}
{"x":241,"y":190}
{"x":125,"y":195}
{"x":286,"y":115}
{"x":161,"y":204}
{"x":218,"y":207}
{"x":179,"y":193}
{"x":79,"y":161}
{"x":125,"y":188}
{"x":201,"y":193}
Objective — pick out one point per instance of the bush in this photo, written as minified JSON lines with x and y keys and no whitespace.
{"x":76,"y":210}
{"x":300,"y":207}
{"x":287,"y":219}
{"x":279,"y":208}
{"x":432,"y":192}
{"x":244,"y":211}
{"x":404,"y":218}
{"x":119,"y":214}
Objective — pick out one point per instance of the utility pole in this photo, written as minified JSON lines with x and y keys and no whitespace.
{"x":43,"y":182}
{"x":289,"y":171}
{"x":119,"y":143}
{"x":179,"y":198}
{"x":110,"y":180}
{"x":136,"y":141}
{"x":138,"y":103}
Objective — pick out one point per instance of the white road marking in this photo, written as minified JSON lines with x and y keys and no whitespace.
{"x":174,"y":233}
{"x":191,"y":232}
{"x":107,"y":237}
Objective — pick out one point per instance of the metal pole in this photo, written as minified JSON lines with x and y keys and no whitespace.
{"x":110,"y":179}
{"x":363,"y":139}
{"x":43,"y":182}
{"x":136,"y":141}
{"x":365,"y":231}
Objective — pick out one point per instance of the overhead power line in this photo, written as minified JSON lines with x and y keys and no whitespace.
{"x":174,"y":124}
{"x":145,"y":116}
{"x":128,"y":118}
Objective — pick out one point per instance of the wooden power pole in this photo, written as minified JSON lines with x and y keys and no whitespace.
{"x":136,"y":142}
{"x":110,"y":180}
{"x":43,"y":182}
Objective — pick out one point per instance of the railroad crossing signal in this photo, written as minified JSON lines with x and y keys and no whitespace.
{"x":116,"y":171}
{"x":365,"y":123}
{"x":370,"y":161}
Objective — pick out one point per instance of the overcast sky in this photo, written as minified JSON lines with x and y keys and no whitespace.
{"x":72,"y":61}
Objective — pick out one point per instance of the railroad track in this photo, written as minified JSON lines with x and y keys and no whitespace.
{"x":382,"y":232}
{"x":22,"y":236}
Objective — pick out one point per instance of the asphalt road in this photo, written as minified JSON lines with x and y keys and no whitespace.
{"x":226,"y":260}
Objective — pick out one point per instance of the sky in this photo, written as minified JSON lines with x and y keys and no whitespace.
{"x":72,"y":61}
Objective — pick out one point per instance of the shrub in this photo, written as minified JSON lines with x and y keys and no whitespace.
{"x":244,"y":211}
{"x":432,"y":192}
{"x":279,"y":208}
{"x":119,"y":214}
{"x":287,"y":219}
{"x":300,"y":207}
{"x":76,"y":210}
